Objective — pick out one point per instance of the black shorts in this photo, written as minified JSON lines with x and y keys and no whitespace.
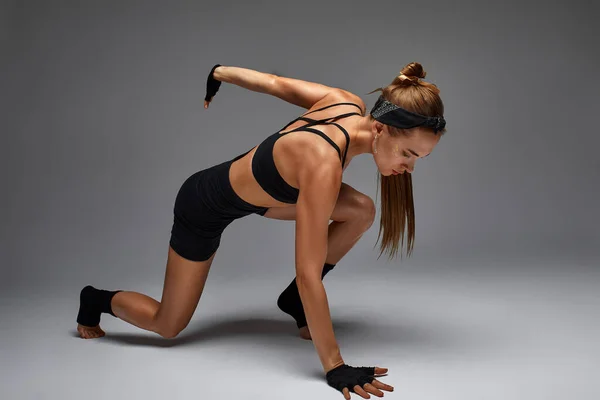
{"x":205,"y":205}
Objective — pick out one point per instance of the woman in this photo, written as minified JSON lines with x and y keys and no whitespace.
{"x":294,"y":174}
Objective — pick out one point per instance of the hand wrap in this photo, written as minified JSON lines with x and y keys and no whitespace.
{"x":212,"y":85}
{"x":346,"y":376}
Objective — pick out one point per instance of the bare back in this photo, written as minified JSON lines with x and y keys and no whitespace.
{"x":290,"y":151}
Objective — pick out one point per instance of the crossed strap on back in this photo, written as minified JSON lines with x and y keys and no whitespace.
{"x":325,"y":121}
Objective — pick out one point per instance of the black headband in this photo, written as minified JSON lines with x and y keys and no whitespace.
{"x":390,"y":114}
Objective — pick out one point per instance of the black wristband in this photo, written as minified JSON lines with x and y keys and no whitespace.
{"x":212,"y":85}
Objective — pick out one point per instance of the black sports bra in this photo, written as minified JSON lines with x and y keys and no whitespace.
{"x":263,"y":165}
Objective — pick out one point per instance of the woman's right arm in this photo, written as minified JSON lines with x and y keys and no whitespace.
{"x":298,"y":92}
{"x":319,"y":180}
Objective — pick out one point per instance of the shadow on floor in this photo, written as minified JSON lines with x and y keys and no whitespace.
{"x":271,"y":331}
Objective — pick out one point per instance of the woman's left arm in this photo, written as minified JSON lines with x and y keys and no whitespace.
{"x":295,"y":91}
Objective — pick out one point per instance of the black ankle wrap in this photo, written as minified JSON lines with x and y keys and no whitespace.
{"x":289,"y":300}
{"x":93,"y":302}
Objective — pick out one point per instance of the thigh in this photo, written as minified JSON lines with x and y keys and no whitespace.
{"x":184,"y":283}
{"x":349,"y":201}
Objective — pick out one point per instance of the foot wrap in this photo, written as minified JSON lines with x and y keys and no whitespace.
{"x":93,"y":302}
{"x":289,"y":300}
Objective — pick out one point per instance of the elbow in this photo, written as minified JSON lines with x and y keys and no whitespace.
{"x":273,"y":84}
{"x":307,"y":279}
{"x":308,"y":287}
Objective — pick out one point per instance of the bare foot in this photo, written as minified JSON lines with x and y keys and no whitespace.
{"x":305,"y":333}
{"x":87,"y":332}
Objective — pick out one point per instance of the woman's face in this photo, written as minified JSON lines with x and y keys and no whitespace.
{"x":398,"y":154}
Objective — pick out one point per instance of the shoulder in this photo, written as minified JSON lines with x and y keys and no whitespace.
{"x":342,"y":96}
{"x":319,"y":168}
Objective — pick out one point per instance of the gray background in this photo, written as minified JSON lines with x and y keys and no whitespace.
{"x":102,"y":120}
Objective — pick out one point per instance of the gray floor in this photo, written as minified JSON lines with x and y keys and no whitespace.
{"x":459,"y":331}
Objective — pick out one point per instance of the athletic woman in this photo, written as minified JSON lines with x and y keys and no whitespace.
{"x":294,"y":174}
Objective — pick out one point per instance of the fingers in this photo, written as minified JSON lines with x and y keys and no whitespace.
{"x":346,"y":393}
{"x":361,"y":392}
{"x":206,"y":103}
{"x":382,"y":386}
{"x":373,"y":390}
{"x":375,"y":387}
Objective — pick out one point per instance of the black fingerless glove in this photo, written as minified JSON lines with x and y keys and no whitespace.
{"x":212,"y":85}
{"x":346,"y":376}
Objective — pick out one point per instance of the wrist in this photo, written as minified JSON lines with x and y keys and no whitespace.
{"x":332,"y":365}
{"x":219,"y":73}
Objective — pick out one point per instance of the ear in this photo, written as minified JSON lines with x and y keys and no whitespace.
{"x":377,"y":128}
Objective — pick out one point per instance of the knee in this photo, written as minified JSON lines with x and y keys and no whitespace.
{"x":169,"y":334}
{"x":169,"y":331}
{"x":364,"y":210}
